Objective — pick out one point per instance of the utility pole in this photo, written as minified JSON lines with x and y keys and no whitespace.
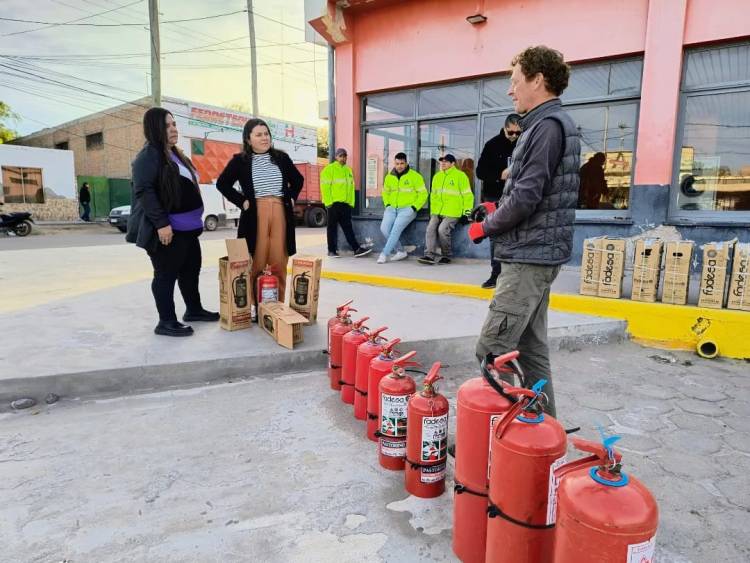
{"x":153,"y":19}
{"x":253,"y":62}
{"x":331,"y":102}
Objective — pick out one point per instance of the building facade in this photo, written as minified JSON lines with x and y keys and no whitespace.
{"x":104,"y":144}
{"x":660,"y":90}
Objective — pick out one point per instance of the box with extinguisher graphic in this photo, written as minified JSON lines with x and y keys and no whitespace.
{"x":235,"y":295}
{"x":305,"y":285}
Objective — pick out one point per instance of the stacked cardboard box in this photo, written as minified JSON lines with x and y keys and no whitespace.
{"x":281,"y":322}
{"x":738,"y":297}
{"x":590,"y":262}
{"x":677,"y":258}
{"x":305,"y":286}
{"x":611,"y":267}
{"x":646,"y":269}
{"x":716,"y":259}
{"x":235,"y":297}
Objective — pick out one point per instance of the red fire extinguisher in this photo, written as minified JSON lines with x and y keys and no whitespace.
{"x":427,"y":439}
{"x":527,"y":447}
{"x":479,"y":405}
{"x":395,"y":391}
{"x":380,"y":366}
{"x":366,"y":351}
{"x":603,"y":514}
{"x":337,"y":334}
{"x":332,"y":321}
{"x":267,"y":286}
{"x":351,"y":340}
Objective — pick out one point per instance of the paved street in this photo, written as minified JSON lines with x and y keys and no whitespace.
{"x":277,"y":470}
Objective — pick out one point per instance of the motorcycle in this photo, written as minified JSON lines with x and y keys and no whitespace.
{"x":18,"y":223}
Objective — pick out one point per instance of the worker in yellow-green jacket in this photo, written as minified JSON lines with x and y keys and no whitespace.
{"x":450,"y":199}
{"x":404,"y":193}
{"x":337,"y":190}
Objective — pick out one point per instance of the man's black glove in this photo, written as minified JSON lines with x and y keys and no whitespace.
{"x":480,"y":213}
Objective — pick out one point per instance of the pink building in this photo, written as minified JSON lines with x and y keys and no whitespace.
{"x":660,"y":87}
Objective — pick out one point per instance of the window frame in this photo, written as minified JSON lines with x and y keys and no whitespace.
{"x":90,"y":146}
{"x":26,"y":198}
{"x":676,"y":216}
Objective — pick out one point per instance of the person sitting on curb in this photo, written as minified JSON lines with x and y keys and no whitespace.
{"x":404,"y":194}
{"x":337,"y":189}
{"x":450,"y":199}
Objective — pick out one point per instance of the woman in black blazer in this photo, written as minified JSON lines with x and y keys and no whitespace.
{"x":166,"y":221}
{"x":270,"y":184}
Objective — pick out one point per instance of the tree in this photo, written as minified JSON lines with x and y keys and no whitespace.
{"x":323,"y":148}
{"x":6,"y":116}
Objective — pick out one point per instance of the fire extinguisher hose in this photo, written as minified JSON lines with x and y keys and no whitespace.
{"x":363,"y":393}
{"x":372,"y":416}
{"x":415,"y":465}
{"x":494,"y":511}
{"x":460,"y":488}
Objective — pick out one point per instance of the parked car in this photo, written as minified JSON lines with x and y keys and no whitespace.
{"x":216,"y":211}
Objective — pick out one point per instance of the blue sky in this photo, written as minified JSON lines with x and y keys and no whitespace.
{"x":112,"y":62}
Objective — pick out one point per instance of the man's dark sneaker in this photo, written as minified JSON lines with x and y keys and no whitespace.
{"x":490,"y":283}
{"x":444,"y":260}
{"x":173,"y":328}
{"x":362,"y":251}
{"x":200,"y":315}
{"x":334,"y":255}
{"x":426,"y":260}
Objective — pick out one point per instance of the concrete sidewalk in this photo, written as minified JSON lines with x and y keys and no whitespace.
{"x":102,"y":342}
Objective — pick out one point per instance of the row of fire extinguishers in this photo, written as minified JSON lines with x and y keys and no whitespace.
{"x":516,"y":497}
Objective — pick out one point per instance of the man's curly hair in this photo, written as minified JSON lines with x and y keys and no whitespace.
{"x":549,"y":62}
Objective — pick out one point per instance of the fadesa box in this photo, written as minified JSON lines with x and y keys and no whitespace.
{"x":611,"y":267}
{"x":677,"y":257}
{"x":646,"y":269}
{"x":738,"y":296}
{"x":716,"y":257}
{"x":281,"y":322}
{"x":590,"y":261}
{"x":235,"y":296}
{"x":305,"y":290}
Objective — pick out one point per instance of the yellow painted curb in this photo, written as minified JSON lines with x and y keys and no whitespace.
{"x":659,"y":325}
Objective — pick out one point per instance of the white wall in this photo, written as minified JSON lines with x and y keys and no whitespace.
{"x":58,"y":169}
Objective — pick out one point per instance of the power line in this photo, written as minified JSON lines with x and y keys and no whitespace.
{"x":124,"y":24}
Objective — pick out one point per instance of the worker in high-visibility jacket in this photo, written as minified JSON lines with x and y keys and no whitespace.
{"x":337,"y":190}
{"x":404,"y":193}
{"x":451,"y":198}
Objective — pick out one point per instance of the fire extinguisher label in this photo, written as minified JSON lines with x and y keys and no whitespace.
{"x":434,"y":437}
{"x":433,"y":473}
{"x":642,"y":552}
{"x":393,"y":418}
{"x":493,"y":419}
{"x":269,"y":294}
{"x":393,"y":448}
{"x":554,"y":482}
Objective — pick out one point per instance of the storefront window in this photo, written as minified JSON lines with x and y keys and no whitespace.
{"x":381,"y":146}
{"x":712,"y":164}
{"x":607,"y":136}
{"x":604,"y":80}
{"x":457,"y":137}
{"x":449,"y":99}
{"x":22,"y":185}
{"x":495,"y":93}
{"x":390,"y":107}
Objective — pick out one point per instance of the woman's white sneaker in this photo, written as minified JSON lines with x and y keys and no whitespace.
{"x":382,"y":259}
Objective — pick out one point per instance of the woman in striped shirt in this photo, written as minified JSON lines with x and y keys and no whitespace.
{"x":270,"y":184}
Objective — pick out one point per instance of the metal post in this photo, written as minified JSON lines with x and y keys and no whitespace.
{"x":153,"y":19}
{"x":253,"y":61}
{"x":331,"y":104}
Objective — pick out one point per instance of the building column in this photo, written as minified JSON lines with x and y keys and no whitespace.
{"x":347,"y":108}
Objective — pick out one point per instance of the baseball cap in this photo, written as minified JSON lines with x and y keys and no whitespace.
{"x":447,"y":158}
{"x":341,"y":151}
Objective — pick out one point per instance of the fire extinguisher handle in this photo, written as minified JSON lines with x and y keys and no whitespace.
{"x":433,"y":375}
{"x":520,"y":391}
{"x":375,"y":333}
{"x":500,"y":361}
{"x":360,"y":322}
{"x":346,"y":310}
{"x":388,"y":347}
{"x":404,"y":360}
{"x":600,"y":450}
{"x":341,"y":307}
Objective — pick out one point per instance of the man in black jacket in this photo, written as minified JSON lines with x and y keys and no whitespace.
{"x":533,"y":223}
{"x":84,"y":197}
{"x":492,"y":169}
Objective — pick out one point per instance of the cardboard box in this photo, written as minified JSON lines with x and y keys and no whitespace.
{"x":677,"y":258}
{"x":611,"y":267}
{"x":738,"y":296}
{"x":716,"y":257}
{"x":282,"y":322}
{"x":305,"y":288}
{"x":235,"y":295}
{"x":646,"y":269}
{"x":590,"y":261}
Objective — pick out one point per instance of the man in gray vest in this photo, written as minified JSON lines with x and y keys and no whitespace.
{"x":532,"y":225}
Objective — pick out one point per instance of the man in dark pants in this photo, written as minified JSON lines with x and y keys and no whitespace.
{"x":532,"y":225}
{"x":337,"y":190}
{"x":84,"y":197}
{"x":492,"y":169}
